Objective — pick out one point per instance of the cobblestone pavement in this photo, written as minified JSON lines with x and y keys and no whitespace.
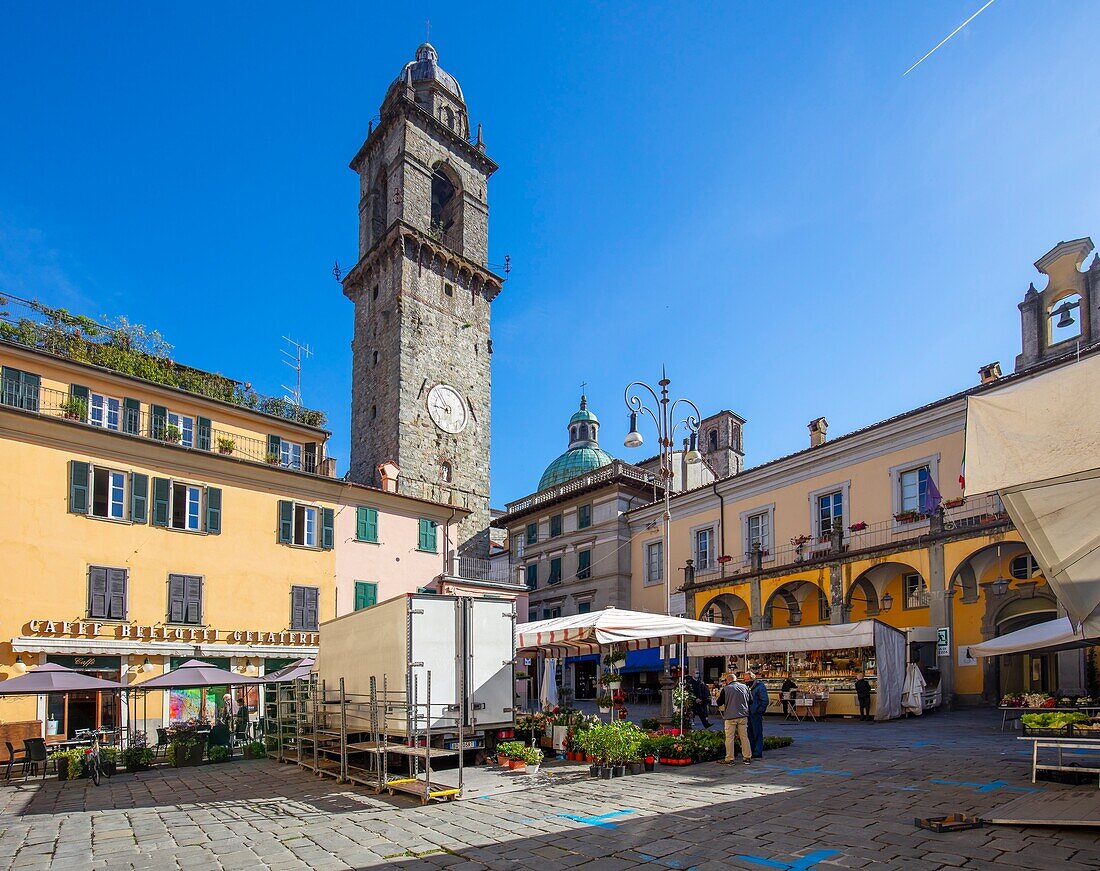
{"x":845,"y":795}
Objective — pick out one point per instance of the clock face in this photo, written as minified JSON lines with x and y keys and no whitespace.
{"x":447,"y":408}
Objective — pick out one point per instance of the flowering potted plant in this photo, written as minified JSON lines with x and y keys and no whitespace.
{"x":858,"y":527}
{"x":532,"y":757}
{"x":957,"y":502}
{"x":226,"y":445}
{"x":908,"y":516}
{"x":74,"y":408}
{"x":604,"y":701}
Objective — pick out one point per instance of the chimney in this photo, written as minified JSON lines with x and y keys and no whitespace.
{"x":818,"y":427}
{"x":389,"y":472}
{"x":990,"y":372}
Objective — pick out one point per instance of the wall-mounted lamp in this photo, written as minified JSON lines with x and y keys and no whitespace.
{"x":20,"y":666}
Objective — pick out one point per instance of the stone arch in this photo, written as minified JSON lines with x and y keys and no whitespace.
{"x":881,"y":578}
{"x":864,"y":585}
{"x":982,"y":566}
{"x":447,"y":202}
{"x":1068,"y":297}
{"x":728,"y":609}
{"x":798,"y":600}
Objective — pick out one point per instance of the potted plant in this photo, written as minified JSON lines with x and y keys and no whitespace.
{"x":957,"y":502}
{"x":218,"y":753}
{"x":173,"y":434}
{"x":254,"y":750}
{"x":74,"y":408}
{"x":532,"y":757}
{"x":613,"y":658}
{"x":226,"y":444}
{"x":69,"y":763}
{"x":184,"y":752}
{"x":858,"y":527}
{"x":108,"y":760}
{"x":604,"y":701}
{"x":909,"y":516}
{"x":272,"y":458}
{"x":611,"y":680}
{"x":137,"y":756}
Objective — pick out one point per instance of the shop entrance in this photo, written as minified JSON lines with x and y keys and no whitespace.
{"x":584,"y":677}
{"x":68,"y":713}
{"x":1020,"y":673}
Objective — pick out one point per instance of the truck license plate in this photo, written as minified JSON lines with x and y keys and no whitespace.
{"x":471,"y":744}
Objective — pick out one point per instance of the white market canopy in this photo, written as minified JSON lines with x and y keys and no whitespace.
{"x":798,"y":639}
{"x":633,"y":630}
{"x":1037,"y":443}
{"x":1052,"y":635}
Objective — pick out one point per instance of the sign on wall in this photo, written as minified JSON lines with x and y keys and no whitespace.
{"x":190,"y":634}
{"x":943,"y":641}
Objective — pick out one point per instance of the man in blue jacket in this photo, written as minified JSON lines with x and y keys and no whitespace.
{"x":758,"y":704}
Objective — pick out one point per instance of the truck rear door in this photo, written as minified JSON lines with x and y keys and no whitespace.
{"x":490,"y":669}
{"x":434,"y":628}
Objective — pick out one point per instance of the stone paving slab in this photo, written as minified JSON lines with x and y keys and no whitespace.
{"x":844,"y":796}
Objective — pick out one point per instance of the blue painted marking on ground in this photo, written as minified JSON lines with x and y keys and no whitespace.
{"x":992,"y":786}
{"x":601,"y":820}
{"x":809,"y":769}
{"x":923,"y":744}
{"x":801,"y":864}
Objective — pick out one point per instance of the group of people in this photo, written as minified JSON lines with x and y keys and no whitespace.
{"x":742,"y":704}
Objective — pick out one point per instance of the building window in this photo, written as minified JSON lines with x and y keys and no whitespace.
{"x":758,"y":531}
{"x":108,"y":494}
{"x":584,"y":516}
{"x":532,"y":533}
{"x":185,"y":599}
{"x":186,"y":505}
{"x":426,"y":539}
{"x":555,"y":526}
{"x":19,"y":389}
{"x":551,"y":613}
{"x":366,"y":594}
{"x":584,"y":607}
{"x":913,"y":484}
{"x":830,"y":512}
{"x":290,"y":455}
{"x":448,"y":289}
{"x":104,"y":411}
{"x":180,"y":429}
{"x":532,"y":615}
{"x":704,"y":548}
{"x":303,"y":608}
{"x":1023,"y":567}
{"x":916,"y":594}
{"x":712,"y":441}
{"x":824,"y":612}
{"x":584,"y":565}
{"x":366,"y":524}
{"x":106,"y":593}
{"x":532,"y":576}
{"x":655,"y":562}
{"x":517,"y":542}
{"x":555,"y":571}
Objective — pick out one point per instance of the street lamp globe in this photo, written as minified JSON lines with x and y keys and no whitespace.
{"x":693,"y":457}
{"x":633,"y":438}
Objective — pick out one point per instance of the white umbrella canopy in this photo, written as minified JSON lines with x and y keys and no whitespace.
{"x":1037,"y":443}
{"x":1057,"y":634}
{"x":633,"y":630}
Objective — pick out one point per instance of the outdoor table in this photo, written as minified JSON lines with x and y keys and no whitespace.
{"x":1005,"y":710}
{"x":1061,"y":744}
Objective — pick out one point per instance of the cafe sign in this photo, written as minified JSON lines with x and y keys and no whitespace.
{"x":187,"y":634}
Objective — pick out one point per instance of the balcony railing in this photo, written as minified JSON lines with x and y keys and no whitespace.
{"x":976,"y":512}
{"x":47,"y":402}
{"x":598,"y":476}
{"x":477,"y":569}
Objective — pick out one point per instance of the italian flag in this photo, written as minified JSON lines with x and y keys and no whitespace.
{"x":962,"y":472}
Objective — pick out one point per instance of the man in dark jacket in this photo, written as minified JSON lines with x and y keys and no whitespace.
{"x":758,"y":704}
{"x":788,"y":686}
{"x":734,"y":705}
{"x":702,"y":698}
{"x":863,"y":695}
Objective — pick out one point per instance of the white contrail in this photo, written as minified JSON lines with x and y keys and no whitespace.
{"x":946,"y":38}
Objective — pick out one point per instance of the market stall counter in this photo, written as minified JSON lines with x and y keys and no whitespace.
{"x":824,"y":662}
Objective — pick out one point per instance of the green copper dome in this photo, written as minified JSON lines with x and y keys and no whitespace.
{"x":584,"y":453}
{"x":572,"y":464}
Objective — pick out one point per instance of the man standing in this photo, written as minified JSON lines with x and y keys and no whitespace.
{"x":734,"y":705}
{"x":758,"y":704}
{"x":702,"y":698}
{"x":863,"y":694}
{"x":785,"y":693}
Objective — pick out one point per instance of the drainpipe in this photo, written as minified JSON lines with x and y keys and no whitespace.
{"x":447,"y":550}
{"x":721,"y":522}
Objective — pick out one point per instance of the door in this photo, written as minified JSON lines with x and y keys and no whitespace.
{"x":434,"y":659}
{"x":490,"y":661}
{"x":584,"y":680}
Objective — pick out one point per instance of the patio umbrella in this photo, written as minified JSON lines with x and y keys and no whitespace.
{"x":51,"y":678}
{"x":295,"y":671}
{"x":195,"y":673}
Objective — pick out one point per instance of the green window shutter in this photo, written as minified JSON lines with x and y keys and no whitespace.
{"x":176,"y":598}
{"x":97,"y":592}
{"x":214,"y":510}
{"x":532,"y":576}
{"x":78,"y":486}
{"x":555,"y":571}
{"x":274,"y":444}
{"x":366,"y":523}
{"x":192,"y":599}
{"x":366,"y":594}
{"x":298,"y":608}
{"x":202,"y":439}
{"x":427,"y":535}
{"x":584,"y":564}
{"x":116,"y":594}
{"x":81,"y":394}
{"x":532,"y":533}
{"x":131,"y":416}
{"x":328,"y":536}
{"x":312,"y":612}
{"x":158,"y":421}
{"x":161,"y":490}
{"x":139,"y":498}
{"x":286,"y":522}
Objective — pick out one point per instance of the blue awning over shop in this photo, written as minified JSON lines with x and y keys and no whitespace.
{"x":588,"y":657}
{"x":648,"y":659}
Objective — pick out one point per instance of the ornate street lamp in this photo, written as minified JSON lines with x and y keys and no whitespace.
{"x":663,"y":413}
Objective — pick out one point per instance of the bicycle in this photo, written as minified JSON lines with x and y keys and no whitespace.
{"x":92,"y":763}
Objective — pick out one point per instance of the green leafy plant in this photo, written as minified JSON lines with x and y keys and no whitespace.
{"x":271,"y":742}
{"x":70,"y":761}
{"x":226,"y":444}
{"x":218,"y":753}
{"x":136,"y":757}
{"x":254,"y":750}
{"x":1053,"y":720}
{"x":512,"y":749}
{"x":173,"y":433}
{"x":272,"y":458}
{"x":532,"y":755}
{"x":604,"y":700}
{"x":613,"y":658}
{"x":75,"y":408}
{"x":650,"y":724}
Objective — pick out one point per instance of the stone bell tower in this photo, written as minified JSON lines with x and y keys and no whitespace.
{"x":422,"y":291}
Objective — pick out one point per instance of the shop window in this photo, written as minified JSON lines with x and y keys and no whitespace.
{"x":913,"y":484}
{"x":532,"y":533}
{"x":427,"y":536}
{"x":1023,"y":567}
{"x":304,"y":610}
{"x":19,"y":389}
{"x":916,"y":593}
{"x":584,"y":516}
{"x":555,"y":571}
{"x":366,"y":594}
{"x":305,"y":525}
{"x":106,"y":593}
{"x":532,"y":576}
{"x":830,"y":512}
{"x":185,"y":599}
{"x":555,"y":526}
{"x":584,"y":565}
{"x":108,"y":494}
{"x":655,"y":562}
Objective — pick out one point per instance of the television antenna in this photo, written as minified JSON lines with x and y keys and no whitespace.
{"x":294,"y":357}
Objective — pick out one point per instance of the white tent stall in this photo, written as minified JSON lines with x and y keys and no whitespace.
{"x":1052,"y":635}
{"x":887,"y":643}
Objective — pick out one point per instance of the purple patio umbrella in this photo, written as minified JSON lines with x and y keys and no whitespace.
{"x":294,"y":671}
{"x":51,"y":678}
{"x":194,"y":673}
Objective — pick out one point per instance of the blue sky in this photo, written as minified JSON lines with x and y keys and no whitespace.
{"x":750,"y":193}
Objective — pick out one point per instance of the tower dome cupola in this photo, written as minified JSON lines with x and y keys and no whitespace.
{"x":583,"y":454}
{"x":434,"y":89}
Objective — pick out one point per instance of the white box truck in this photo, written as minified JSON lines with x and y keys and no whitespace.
{"x":466,"y":644}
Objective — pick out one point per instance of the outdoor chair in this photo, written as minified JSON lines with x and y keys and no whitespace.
{"x":220,"y":737}
{"x":14,"y":756}
{"x":162,"y":742}
{"x":36,"y":753}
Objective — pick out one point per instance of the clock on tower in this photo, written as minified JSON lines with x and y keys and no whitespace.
{"x":422,"y":294}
